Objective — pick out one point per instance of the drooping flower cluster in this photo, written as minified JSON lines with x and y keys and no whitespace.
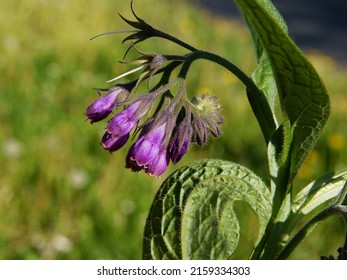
{"x":176,"y":122}
{"x":164,"y":136}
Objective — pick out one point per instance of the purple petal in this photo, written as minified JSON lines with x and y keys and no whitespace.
{"x":124,"y":122}
{"x":145,"y":151}
{"x":131,"y":163}
{"x":148,"y":152}
{"x":156,"y":136}
{"x":99,"y":110}
{"x":111,"y":143}
{"x":181,"y":141}
{"x":149,"y":145}
{"x":102,"y":107}
{"x":178,"y":150}
{"x":159,"y":164}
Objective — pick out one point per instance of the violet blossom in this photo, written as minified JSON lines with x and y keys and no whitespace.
{"x":150,"y":153}
{"x":102,"y":107}
{"x":111,"y":143}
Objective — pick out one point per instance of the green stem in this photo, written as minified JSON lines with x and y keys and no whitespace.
{"x":196,"y":54}
{"x":273,"y":244}
{"x":260,"y":247}
{"x":333,"y":210}
{"x":199,"y":54}
{"x":341,"y":195}
{"x":256,"y":97}
{"x":160,"y":34}
{"x":344,"y":247}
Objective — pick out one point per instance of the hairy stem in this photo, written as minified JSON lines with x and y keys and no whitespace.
{"x":256,"y":97}
{"x":160,"y":34}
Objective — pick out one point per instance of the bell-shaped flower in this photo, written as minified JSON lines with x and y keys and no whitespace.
{"x":111,"y":143}
{"x":125,"y":121}
{"x":151,"y":151}
{"x":102,"y":107}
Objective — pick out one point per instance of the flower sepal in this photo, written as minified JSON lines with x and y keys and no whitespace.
{"x":207,"y":118}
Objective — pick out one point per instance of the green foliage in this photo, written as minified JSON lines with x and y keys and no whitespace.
{"x":193,"y":215}
{"x":303,"y":98}
{"x":283,"y":72}
{"x":58,"y":185}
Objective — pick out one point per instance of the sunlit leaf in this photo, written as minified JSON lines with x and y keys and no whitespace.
{"x":193,"y":216}
{"x":263,"y":75}
{"x":303,"y":98}
{"x":318,"y":195}
{"x":309,"y":202}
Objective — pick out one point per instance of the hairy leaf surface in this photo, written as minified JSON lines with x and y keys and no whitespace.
{"x":193,"y":216}
{"x":303,"y":97}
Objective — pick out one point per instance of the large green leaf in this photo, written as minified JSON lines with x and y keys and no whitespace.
{"x":316,"y":202}
{"x":263,"y":75}
{"x":317,"y":196}
{"x":303,"y":98}
{"x":193,"y":215}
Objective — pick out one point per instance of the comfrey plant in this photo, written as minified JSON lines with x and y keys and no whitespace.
{"x":193,"y":214}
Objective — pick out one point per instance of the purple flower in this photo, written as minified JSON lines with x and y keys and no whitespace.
{"x":181,"y":139}
{"x":122,"y":123}
{"x":150,"y":152}
{"x":112,"y":144}
{"x":180,"y":146}
{"x":159,"y":164}
{"x":102,"y":107}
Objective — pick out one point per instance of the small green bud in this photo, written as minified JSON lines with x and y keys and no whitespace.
{"x":207,"y":116}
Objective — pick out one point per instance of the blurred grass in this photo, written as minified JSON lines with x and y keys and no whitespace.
{"x":61,"y":195}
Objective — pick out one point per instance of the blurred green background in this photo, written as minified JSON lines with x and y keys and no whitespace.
{"x":61,"y":195}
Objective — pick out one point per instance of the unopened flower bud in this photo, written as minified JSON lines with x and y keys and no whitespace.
{"x":207,"y":117}
{"x":125,"y":121}
{"x":181,"y":138}
{"x":102,"y":107}
{"x":156,"y":62}
{"x":111,"y":143}
{"x":200,"y":131}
